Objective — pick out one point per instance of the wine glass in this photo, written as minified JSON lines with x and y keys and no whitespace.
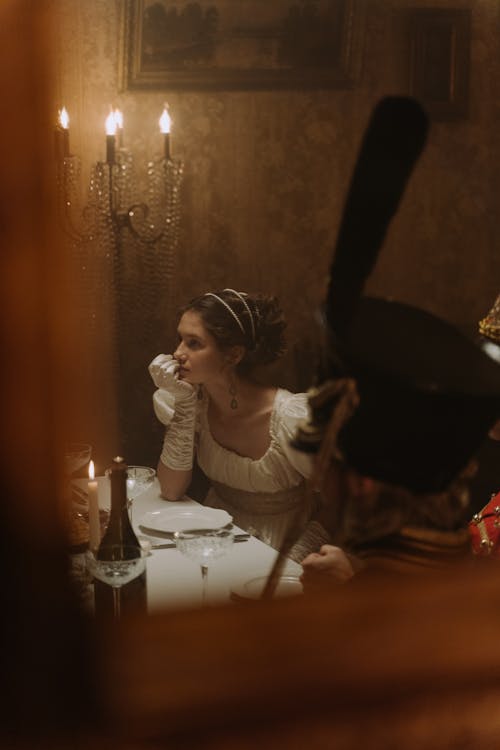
{"x":116,"y":565}
{"x":76,"y":455}
{"x":139,"y":478}
{"x":204,"y":546}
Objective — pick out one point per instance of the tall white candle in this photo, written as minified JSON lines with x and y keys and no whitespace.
{"x":165,"y":125}
{"x":94,"y":523}
{"x":111,"y":127}
{"x":119,"y":126}
{"x":62,"y":135}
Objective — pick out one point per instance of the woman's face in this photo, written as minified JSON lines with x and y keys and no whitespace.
{"x":198,"y":355}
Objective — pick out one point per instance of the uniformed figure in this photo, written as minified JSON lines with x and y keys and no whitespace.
{"x":404,"y":399}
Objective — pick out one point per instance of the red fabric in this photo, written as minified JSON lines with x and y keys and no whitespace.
{"x":484,"y":529}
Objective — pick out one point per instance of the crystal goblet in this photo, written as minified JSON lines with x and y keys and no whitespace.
{"x":139,"y":478}
{"x":204,"y":546}
{"x":76,"y":455}
{"x":116,"y":565}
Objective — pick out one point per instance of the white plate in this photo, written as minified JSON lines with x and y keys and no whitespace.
{"x":171,"y":520}
{"x":252,"y":589}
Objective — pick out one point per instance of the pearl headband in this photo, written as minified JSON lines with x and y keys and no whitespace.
{"x":230,"y":309}
{"x":250,"y":314}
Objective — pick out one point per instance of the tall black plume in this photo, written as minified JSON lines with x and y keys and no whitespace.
{"x":393,"y":141}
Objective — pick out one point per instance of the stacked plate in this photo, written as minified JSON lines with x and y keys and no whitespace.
{"x":252,"y":589}
{"x":170,"y":520}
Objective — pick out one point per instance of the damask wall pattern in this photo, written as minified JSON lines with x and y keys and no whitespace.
{"x":266,"y":173}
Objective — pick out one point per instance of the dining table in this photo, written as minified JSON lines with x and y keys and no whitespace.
{"x":174,"y":581}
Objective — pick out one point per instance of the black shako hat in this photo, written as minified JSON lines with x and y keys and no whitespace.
{"x":428,"y":394}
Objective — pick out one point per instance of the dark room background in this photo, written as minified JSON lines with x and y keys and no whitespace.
{"x":266,"y":169}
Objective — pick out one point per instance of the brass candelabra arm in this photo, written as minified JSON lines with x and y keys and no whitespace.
{"x":124,"y":220}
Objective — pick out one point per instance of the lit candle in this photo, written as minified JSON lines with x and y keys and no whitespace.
{"x":165,"y":124}
{"x":62,"y":134}
{"x":94,"y":523}
{"x":110,"y":137}
{"x":119,"y":124}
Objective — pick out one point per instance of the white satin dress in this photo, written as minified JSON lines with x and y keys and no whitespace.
{"x":264,"y":495}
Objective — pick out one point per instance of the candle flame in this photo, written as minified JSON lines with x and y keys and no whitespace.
{"x":64,"y":118}
{"x":111,"y":124}
{"x":118,"y":118}
{"x":165,"y":121}
{"x":91,"y":470}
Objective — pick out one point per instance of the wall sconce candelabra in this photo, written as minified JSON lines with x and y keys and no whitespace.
{"x":113,"y":220}
{"x":124,"y":235}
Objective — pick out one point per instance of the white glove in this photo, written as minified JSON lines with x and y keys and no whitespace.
{"x":164,"y":406}
{"x":174,"y":404}
{"x":164,"y":372}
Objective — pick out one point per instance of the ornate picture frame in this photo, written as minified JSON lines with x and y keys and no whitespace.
{"x":241,"y":44}
{"x":439,"y":60}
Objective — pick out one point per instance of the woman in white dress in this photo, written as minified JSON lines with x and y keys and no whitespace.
{"x":237,"y":429}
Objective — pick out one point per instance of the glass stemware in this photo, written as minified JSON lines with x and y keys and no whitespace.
{"x":139,"y":478}
{"x":76,"y":455}
{"x":204,"y":546}
{"x":116,"y":565}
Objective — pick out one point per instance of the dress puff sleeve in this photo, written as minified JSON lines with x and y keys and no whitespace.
{"x":292,"y":409}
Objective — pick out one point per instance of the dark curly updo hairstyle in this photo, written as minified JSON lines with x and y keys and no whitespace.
{"x":254,"y":321}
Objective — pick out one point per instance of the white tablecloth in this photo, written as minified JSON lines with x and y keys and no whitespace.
{"x":175,"y":581}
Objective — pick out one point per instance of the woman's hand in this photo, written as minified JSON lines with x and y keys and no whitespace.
{"x":495,"y":431}
{"x":329,"y":565}
{"x":174,"y":403}
{"x":164,"y":370}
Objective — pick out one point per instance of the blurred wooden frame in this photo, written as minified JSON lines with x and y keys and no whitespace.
{"x":439,"y":57}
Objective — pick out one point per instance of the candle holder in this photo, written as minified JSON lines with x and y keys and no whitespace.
{"x":123,"y":237}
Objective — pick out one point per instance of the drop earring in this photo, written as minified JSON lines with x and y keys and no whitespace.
{"x":232,"y":391}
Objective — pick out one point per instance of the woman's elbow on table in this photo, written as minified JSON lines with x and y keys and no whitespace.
{"x":173,"y":482}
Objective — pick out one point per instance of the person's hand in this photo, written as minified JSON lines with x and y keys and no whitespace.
{"x":495,"y":431}
{"x":164,"y":371}
{"x":174,"y":403}
{"x":329,"y":565}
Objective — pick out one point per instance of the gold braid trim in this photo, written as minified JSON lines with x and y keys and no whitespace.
{"x":490,"y":325}
{"x":346,"y":401}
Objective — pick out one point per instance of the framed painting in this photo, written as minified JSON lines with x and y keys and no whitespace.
{"x":439,"y":59}
{"x":241,"y":44}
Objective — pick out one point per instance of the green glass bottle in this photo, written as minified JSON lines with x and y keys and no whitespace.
{"x":119,"y":533}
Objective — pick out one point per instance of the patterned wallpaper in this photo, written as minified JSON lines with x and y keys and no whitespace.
{"x":266,"y":173}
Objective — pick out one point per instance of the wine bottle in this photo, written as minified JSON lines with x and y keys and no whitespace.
{"x":119,"y":533}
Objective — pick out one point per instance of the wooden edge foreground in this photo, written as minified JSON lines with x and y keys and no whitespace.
{"x":374,"y":664}
{"x":380,"y":664}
